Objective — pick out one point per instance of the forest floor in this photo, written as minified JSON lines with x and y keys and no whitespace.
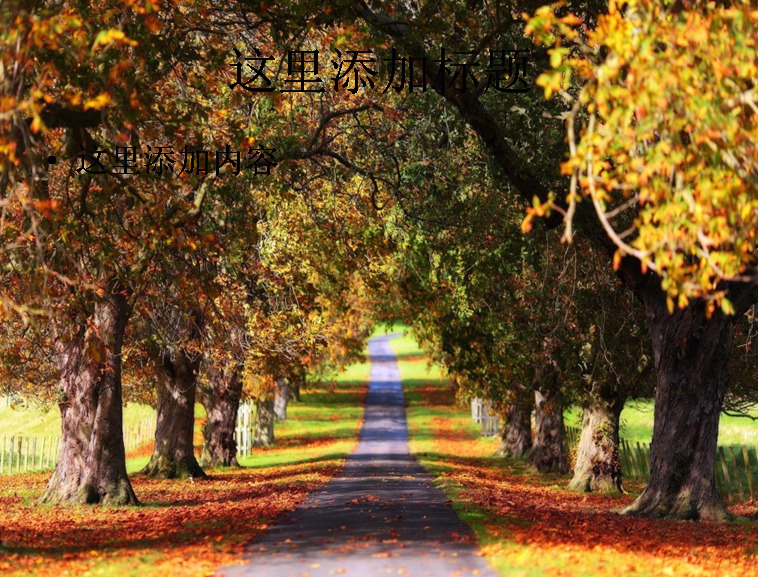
{"x":531,"y":525}
{"x":184,"y":528}
{"x":526,"y":525}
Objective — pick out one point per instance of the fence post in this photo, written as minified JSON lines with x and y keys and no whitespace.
{"x":246,"y":427}
{"x":641,"y":459}
{"x":630,"y":459}
{"x":238,"y":430}
{"x":725,"y":469}
{"x":624,"y":458}
{"x":241,"y":430}
{"x":738,"y":481}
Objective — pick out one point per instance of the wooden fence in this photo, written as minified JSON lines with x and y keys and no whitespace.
{"x":480,"y":413}
{"x":21,"y":453}
{"x":571,"y":437}
{"x":736,"y":466}
{"x":243,"y":433}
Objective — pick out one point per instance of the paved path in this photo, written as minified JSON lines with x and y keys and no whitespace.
{"x":381,"y":516}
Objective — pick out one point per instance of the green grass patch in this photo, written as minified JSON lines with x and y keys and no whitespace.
{"x":30,"y":420}
{"x":637,"y":424}
{"x":326,"y":412}
{"x":429,"y":395}
{"x":126,"y":567}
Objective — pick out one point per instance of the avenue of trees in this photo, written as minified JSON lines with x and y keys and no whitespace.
{"x":584,"y":239}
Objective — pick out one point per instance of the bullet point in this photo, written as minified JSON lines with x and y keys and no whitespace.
{"x":51,"y":160}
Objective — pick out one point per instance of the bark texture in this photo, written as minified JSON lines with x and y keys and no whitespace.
{"x":598,"y":464}
{"x":91,"y":467}
{"x":516,"y":438}
{"x":173,"y":456}
{"x":691,"y":354}
{"x":548,"y":454}
{"x":281,"y":399}
{"x":297,"y":384}
{"x":263,"y":436}
{"x":221,"y":399}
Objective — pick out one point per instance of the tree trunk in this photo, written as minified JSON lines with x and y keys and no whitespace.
{"x":91,"y":467}
{"x":691,"y":355}
{"x":174,"y":456}
{"x":281,"y":399}
{"x":516,"y":438}
{"x":264,"y":423}
{"x":297,"y":384}
{"x":221,"y":399}
{"x":598,"y":465}
{"x":548,"y":453}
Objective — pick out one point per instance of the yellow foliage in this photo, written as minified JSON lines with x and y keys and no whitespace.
{"x":668,"y":136}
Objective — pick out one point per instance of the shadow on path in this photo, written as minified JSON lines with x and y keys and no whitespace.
{"x":380,"y":516}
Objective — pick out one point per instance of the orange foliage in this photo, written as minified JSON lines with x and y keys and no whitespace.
{"x":184,"y":528}
{"x":531,"y":519}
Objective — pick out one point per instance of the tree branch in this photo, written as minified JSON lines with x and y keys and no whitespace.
{"x":468,"y":105}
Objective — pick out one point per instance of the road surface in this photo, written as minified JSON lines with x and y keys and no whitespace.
{"x":380,"y":516}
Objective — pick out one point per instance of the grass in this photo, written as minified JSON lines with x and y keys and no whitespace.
{"x":325,"y":412}
{"x":33,"y":421}
{"x":185,"y":528}
{"x":637,"y":424}
{"x":529,"y":525}
{"x":526,"y":525}
{"x":429,"y":396}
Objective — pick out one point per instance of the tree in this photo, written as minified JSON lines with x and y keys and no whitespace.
{"x":308,"y":307}
{"x":548,"y":454}
{"x":614,"y":363}
{"x":176,"y":359}
{"x":661,"y":139}
{"x":516,"y":436}
{"x":83,"y":244}
{"x":220,"y":396}
{"x":92,"y":463}
{"x":221,"y":376}
{"x":281,"y":398}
